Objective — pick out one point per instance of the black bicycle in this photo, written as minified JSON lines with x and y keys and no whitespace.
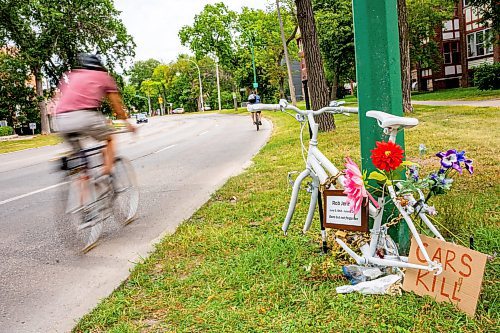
{"x":90,"y":199}
{"x":258,"y":117}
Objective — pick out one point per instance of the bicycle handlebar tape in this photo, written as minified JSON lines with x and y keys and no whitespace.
{"x":263,"y":107}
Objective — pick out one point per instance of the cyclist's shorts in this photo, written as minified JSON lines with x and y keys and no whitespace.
{"x":84,"y":122}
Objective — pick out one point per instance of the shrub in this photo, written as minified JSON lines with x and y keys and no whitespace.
{"x":6,"y":130}
{"x":487,"y":77}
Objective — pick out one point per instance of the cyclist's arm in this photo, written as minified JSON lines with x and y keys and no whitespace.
{"x":117,"y":105}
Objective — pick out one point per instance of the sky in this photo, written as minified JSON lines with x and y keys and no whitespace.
{"x":154,"y":24}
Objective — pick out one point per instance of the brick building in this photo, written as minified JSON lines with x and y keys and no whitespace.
{"x":463,"y":43}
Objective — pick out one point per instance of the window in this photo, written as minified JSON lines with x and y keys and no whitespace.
{"x":451,"y":53}
{"x":479,"y":43}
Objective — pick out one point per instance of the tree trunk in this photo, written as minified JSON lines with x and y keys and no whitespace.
{"x":44,"y":118}
{"x":282,"y":87}
{"x":287,"y":58}
{"x":464,"y":80}
{"x":404,"y":47}
{"x":420,"y":82}
{"x":318,"y":88}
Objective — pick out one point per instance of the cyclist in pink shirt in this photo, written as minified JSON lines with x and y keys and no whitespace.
{"x":82,"y":94}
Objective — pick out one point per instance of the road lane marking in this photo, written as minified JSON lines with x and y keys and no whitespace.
{"x":159,"y":151}
{"x":31,"y":193}
{"x":203,"y":133}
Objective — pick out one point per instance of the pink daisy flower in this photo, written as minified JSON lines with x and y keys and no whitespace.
{"x":354,"y":187}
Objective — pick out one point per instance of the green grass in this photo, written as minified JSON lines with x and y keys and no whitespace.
{"x":38,"y":141}
{"x":466,"y":94}
{"x":230,"y":269}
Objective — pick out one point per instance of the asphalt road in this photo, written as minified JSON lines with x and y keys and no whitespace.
{"x":179,"y":160}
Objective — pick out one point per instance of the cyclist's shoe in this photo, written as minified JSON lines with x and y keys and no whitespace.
{"x":260,"y":122}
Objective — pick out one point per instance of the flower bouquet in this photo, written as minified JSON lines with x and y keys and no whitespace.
{"x":387,"y":157}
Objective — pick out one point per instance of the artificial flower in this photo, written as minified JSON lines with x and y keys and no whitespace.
{"x":387,"y":156}
{"x":431,"y":210}
{"x":413,"y":173}
{"x":354,"y":186}
{"x":454,"y":159}
{"x":422,"y":149}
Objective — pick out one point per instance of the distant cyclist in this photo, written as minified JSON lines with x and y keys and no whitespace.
{"x":82,"y":94}
{"x":254,"y":98}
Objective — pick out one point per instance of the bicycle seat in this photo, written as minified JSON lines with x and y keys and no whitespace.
{"x":387,"y":120}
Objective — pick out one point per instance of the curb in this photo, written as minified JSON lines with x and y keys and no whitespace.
{"x":16,"y":137}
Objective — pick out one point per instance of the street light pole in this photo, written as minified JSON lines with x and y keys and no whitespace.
{"x":218,"y":80}
{"x":201,"y":87}
{"x":255,"y":84}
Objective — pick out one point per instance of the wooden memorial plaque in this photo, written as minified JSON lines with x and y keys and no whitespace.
{"x":337,"y":214}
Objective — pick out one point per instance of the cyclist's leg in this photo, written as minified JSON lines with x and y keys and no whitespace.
{"x":109,"y":155}
{"x":100,"y":130}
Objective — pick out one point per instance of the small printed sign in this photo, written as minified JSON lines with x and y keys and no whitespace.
{"x":461,"y":279}
{"x":32,"y":126}
{"x":338,"y":215}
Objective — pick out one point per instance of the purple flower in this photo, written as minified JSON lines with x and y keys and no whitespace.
{"x":413,"y":173}
{"x":453,"y":159}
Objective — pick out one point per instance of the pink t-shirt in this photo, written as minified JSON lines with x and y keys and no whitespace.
{"x":85,"y":89}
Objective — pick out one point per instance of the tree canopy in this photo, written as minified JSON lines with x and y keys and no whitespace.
{"x":49,"y":34}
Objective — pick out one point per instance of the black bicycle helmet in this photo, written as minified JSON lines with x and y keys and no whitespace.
{"x":90,"y":61}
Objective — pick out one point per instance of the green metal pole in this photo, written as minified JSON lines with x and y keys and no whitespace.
{"x":255,"y":84}
{"x":378,"y":73}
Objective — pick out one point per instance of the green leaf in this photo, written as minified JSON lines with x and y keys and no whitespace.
{"x":409,"y":163}
{"x":378,"y":176}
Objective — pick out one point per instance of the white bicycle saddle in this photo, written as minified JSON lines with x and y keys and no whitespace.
{"x":387,"y":120}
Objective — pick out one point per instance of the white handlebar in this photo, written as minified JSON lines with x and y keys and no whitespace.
{"x":263,"y":107}
{"x":283,"y":105}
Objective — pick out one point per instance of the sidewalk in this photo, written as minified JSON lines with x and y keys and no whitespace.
{"x":485,"y":103}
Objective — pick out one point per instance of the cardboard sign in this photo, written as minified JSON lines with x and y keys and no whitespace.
{"x":461,"y":279}
{"x":337,"y":214}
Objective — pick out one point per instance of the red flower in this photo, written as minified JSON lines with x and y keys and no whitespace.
{"x":387,"y":156}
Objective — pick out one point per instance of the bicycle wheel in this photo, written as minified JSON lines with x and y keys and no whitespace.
{"x":257,"y":118}
{"x":80,"y":216}
{"x":126,"y":192}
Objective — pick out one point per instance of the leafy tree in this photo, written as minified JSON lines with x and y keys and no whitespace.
{"x":336,"y":40}
{"x":141,"y":71}
{"x":50,"y":33}
{"x":259,"y":28}
{"x":314,"y":62}
{"x":133,"y":99}
{"x":17,"y":99}
{"x":489,"y":10}
{"x":212,"y":33}
{"x":423,"y":18}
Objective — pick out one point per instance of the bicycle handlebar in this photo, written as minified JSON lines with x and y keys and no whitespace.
{"x":283,"y":105}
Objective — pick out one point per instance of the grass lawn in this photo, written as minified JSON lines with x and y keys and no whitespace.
{"x":38,"y":141}
{"x":467,"y":94}
{"x":230,"y":269}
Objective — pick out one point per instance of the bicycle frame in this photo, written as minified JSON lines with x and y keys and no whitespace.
{"x":318,"y":167}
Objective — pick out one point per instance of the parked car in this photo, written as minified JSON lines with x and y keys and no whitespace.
{"x":141,"y":118}
{"x":178,"y":110}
